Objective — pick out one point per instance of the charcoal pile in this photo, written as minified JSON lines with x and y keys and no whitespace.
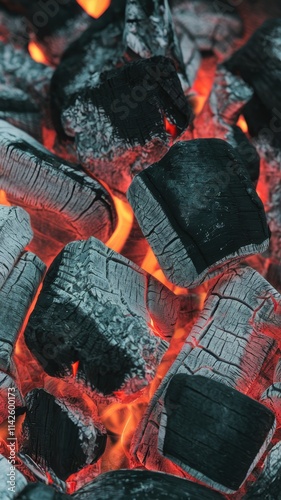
{"x":140,"y":246}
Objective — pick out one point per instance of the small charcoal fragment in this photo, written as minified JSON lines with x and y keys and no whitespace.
{"x":56,"y":434}
{"x":213,"y":432}
{"x":199,"y":211}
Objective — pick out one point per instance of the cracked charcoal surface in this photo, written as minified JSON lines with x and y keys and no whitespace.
{"x":215,"y":433}
{"x":92,"y":309}
{"x":75,"y":440}
{"x":64,"y":204}
{"x":212,"y":28}
{"x":15,"y":234}
{"x":149,"y":31}
{"x":140,"y":485}
{"x":233,"y":342}
{"x":199,"y":177}
{"x":9,"y":386}
{"x":127,"y":111}
{"x":268,"y":484}
{"x":20,"y":481}
{"x":16,"y":296}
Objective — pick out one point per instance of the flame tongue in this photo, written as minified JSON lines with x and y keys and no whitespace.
{"x":94,"y":8}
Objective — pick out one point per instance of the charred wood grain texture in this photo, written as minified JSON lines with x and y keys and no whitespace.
{"x":149,"y":31}
{"x":199,"y":211}
{"x":18,"y":70}
{"x":15,"y":234}
{"x":210,"y":26}
{"x":212,"y":431}
{"x":57,"y":435}
{"x":128,"y":111}
{"x":36,"y":491}
{"x":268,"y":484}
{"x":139,"y":485}
{"x":233,"y":342}
{"x":20,"y":481}
{"x":95,"y":308}
{"x":64,"y":204}
{"x":16,"y":296}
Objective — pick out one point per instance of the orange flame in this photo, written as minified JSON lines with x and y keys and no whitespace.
{"x":36,"y":53}
{"x":94,"y":8}
{"x":124,"y":224}
{"x":3,"y":198}
{"x":75,"y":367}
{"x":242,"y":124}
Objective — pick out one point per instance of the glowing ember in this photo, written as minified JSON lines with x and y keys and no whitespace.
{"x":36,"y":53}
{"x":242,"y":124}
{"x":94,"y":8}
{"x":170,"y":128}
{"x":125,"y":221}
{"x":3,"y":198}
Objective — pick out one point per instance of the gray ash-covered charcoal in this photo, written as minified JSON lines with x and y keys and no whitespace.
{"x":248,"y":153}
{"x":149,"y":31}
{"x":120,"y":126}
{"x":16,"y":296}
{"x":63,"y":202}
{"x":95,"y":308}
{"x":18,"y":70}
{"x":143,"y":485}
{"x":212,"y":431}
{"x":98,"y":49}
{"x":19,"y":109}
{"x":214,"y":26}
{"x":268,"y":484}
{"x":258,"y":63}
{"x":12,"y":482}
{"x":58,"y":435}
{"x":16,"y":233}
{"x":42,"y":491}
{"x":199,"y":211}
{"x":234,"y":342}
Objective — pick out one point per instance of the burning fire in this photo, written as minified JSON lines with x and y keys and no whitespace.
{"x":36,"y":53}
{"x":94,"y":8}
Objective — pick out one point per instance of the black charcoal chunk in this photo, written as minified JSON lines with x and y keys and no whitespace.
{"x":58,"y":436}
{"x":268,"y":484}
{"x":41,"y":491}
{"x":92,"y":310}
{"x":121,"y":125}
{"x":199,"y":211}
{"x":143,"y":485}
{"x":213,"y":431}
